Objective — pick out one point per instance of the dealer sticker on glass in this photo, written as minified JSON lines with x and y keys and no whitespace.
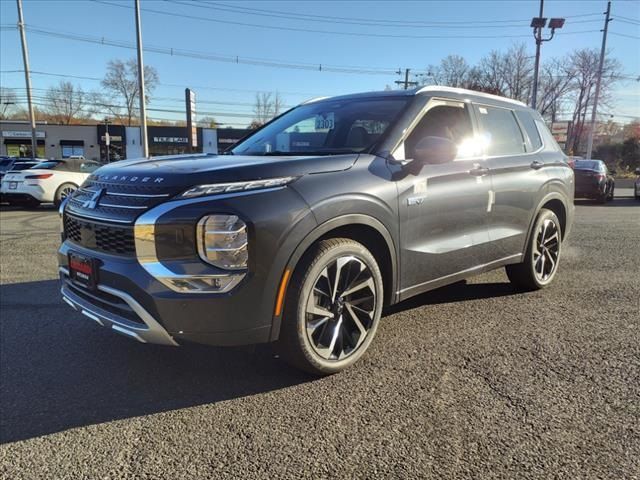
{"x":325,"y":121}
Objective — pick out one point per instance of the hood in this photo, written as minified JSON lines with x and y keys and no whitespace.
{"x":185,"y":171}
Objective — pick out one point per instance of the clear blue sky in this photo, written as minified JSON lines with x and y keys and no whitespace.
{"x":315,"y":42}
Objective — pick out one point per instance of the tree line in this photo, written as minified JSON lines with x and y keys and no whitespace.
{"x":566,"y":85}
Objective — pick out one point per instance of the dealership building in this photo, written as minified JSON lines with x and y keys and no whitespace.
{"x":90,"y":141}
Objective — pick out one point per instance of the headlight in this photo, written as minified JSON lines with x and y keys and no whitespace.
{"x":212,"y":189}
{"x":222,"y":241}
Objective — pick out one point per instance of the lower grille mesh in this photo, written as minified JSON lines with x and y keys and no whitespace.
{"x":99,"y":236}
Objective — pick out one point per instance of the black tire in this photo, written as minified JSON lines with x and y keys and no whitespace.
{"x":323,"y":345}
{"x":62,"y":192}
{"x":525,"y":275}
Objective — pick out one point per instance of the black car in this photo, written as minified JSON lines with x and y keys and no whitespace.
{"x":315,"y":222}
{"x":594,"y":181}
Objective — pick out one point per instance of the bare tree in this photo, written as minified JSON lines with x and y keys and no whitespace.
{"x":554,"y":85}
{"x":267,"y":106}
{"x":120,"y":83}
{"x":65,"y":103}
{"x":517,"y":72}
{"x":452,"y":71}
{"x":207,"y":122}
{"x":8,"y":102}
{"x":584,"y":65}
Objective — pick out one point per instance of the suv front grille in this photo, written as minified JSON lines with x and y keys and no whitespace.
{"x":118,"y":240}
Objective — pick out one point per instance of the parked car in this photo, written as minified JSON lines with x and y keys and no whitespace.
{"x":594,"y":181}
{"x":636,"y":185}
{"x":8,"y":164}
{"x":315,"y":222}
{"x":572,"y":159}
{"x":47,"y":181}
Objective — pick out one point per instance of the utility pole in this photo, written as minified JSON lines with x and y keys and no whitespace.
{"x":406,"y":81}
{"x":27,"y":78}
{"x":594,"y":111}
{"x":538,"y":35}
{"x":143,"y":109}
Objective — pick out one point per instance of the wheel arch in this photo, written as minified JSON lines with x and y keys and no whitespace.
{"x":359,"y":227}
{"x":557,"y":203}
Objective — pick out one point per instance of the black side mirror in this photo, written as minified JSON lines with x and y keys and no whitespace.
{"x":435,"y":150}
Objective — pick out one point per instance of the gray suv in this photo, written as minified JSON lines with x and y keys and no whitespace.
{"x":309,"y":226}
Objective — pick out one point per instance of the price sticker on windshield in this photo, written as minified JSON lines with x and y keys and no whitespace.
{"x":325,"y":121}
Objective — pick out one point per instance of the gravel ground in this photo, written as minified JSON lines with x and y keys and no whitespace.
{"x":470,"y":381}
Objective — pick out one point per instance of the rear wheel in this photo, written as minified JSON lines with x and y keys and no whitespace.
{"x":541,"y":260}
{"x":332,"y":308}
{"x":63,"y":192}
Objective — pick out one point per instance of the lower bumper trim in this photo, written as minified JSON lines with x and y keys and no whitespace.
{"x":149,"y":331}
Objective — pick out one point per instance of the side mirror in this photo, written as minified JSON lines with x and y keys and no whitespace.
{"x":435,"y":150}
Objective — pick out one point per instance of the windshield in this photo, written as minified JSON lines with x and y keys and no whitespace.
{"x":325,"y":128}
{"x":5,"y":165}
{"x":18,"y":166}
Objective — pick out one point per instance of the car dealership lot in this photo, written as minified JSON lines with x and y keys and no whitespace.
{"x":471,"y":380}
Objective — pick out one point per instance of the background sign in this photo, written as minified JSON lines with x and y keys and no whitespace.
{"x":192,"y":131}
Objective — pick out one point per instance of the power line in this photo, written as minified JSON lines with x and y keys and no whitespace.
{"x":211,"y":57}
{"x":330,"y":32}
{"x":367,"y":21}
{"x":199,"y":87}
{"x":342,"y":20}
{"x":617,"y":17}
{"x":635,"y":37}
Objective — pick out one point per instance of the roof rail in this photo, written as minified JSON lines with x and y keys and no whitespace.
{"x":313,"y":100}
{"x":464,"y":91}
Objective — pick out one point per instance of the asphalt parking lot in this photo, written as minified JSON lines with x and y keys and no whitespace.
{"x":473,"y":380}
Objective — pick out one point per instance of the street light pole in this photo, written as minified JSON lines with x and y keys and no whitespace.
{"x":143,"y":110}
{"x":27,"y":78}
{"x":538,"y":35}
{"x":594,"y":111}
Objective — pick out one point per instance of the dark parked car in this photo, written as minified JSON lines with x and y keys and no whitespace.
{"x":636,"y":185}
{"x":315,"y":222}
{"x":594,"y":181}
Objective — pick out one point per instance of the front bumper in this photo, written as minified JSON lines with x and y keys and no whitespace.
{"x":146,"y":330}
{"x":278,"y":221}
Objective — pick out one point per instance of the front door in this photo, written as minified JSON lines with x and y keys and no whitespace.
{"x":443,"y":207}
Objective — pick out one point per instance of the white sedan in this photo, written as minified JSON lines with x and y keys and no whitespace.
{"x":49,"y":181}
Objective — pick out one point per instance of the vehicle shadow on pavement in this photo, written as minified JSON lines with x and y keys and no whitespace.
{"x":59,"y":370}
{"x":616,"y":202}
{"x":456,"y":292}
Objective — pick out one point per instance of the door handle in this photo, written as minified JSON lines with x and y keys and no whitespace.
{"x":536,"y":165}
{"x":479,"y":171}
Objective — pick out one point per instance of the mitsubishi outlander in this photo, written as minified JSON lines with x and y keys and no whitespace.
{"x":303,"y":232}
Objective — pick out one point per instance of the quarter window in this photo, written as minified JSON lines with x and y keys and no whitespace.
{"x":501,"y":131}
{"x":529,"y":124}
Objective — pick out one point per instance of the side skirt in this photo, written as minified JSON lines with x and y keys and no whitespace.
{"x":456,"y":277}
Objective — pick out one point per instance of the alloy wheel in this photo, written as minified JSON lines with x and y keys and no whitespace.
{"x":65,"y":192}
{"x":546,"y":250}
{"x":341,"y":308}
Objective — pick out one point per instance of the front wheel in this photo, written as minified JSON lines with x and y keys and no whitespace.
{"x":63,"y":192}
{"x":542,"y":256}
{"x":332,"y":308}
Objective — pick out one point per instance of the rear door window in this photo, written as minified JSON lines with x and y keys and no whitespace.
{"x":502,"y":134}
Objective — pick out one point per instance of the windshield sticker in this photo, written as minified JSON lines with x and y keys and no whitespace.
{"x":483,"y":110}
{"x":325,"y":121}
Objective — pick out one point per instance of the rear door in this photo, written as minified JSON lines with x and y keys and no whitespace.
{"x":443,"y":207}
{"x":512,"y":145}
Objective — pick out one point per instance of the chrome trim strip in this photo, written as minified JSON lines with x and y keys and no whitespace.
{"x":96,"y":217}
{"x":152,"y":332}
{"x":135,"y":195}
{"x":144,"y":235}
{"x":133,"y":207}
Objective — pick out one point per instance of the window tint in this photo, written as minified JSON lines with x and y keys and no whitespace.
{"x":325,"y":128}
{"x":51,"y":165}
{"x":88,"y":167}
{"x":448,"y":120}
{"x":588,"y":165}
{"x":501,"y":131}
{"x":529,"y":124}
